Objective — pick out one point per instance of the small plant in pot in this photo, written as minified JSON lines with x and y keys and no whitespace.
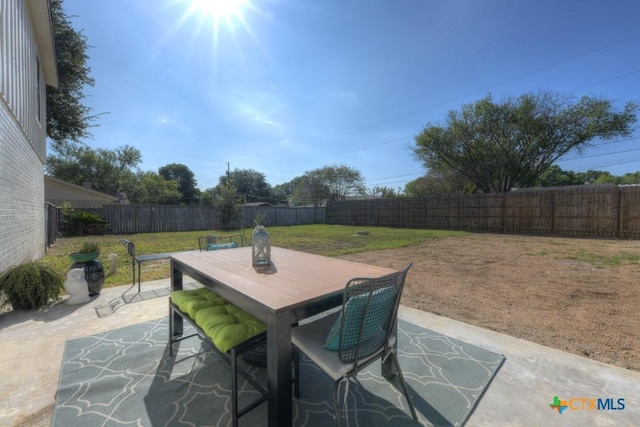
{"x":88,"y":252}
{"x":30,"y":285}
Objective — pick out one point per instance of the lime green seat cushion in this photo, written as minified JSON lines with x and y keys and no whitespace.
{"x":192,"y":300}
{"x":228,"y":325}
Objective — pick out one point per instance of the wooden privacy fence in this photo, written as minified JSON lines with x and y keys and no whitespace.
{"x":589,"y":210}
{"x":52,"y":222}
{"x":128,"y":219}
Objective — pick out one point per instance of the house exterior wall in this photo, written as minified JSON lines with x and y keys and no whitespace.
{"x":22,"y":137}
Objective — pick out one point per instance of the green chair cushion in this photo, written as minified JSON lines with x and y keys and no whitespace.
{"x":192,"y":300}
{"x":382,"y":299}
{"x":228,"y":325}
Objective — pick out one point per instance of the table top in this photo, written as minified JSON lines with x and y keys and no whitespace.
{"x":294,"y":279}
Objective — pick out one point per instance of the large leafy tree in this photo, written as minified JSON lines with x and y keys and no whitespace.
{"x":151,"y":188}
{"x":107,"y":170}
{"x":309,"y":189}
{"x":342,"y":181}
{"x":501,"y":145}
{"x":334,"y":182}
{"x":250,"y":184}
{"x":185,"y":179}
{"x":68,"y":119}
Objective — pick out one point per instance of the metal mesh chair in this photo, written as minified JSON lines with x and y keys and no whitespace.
{"x":362,"y":332}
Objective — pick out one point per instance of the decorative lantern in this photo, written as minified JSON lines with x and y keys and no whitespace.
{"x":261,"y":245}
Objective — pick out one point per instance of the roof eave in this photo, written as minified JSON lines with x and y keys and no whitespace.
{"x":43,"y":27}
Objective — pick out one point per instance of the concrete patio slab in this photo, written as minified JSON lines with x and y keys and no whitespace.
{"x":520,"y":395}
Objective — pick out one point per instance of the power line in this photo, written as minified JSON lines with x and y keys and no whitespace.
{"x":607,"y":80}
{"x":570,"y":91}
{"x":399,"y":139}
{"x":598,"y":155}
{"x":537,"y":70}
{"x":393,"y":177}
{"x":612,"y":163}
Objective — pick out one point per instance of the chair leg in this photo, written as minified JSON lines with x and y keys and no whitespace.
{"x":234,"y":388}
{"x":139,"y":263}
{"x":404,"y":386}
{"x":133,"y":272}
{"x":336,"y":395}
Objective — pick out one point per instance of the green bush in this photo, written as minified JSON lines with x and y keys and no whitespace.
{"x":78,"y":223}
{"x":30,"y":285}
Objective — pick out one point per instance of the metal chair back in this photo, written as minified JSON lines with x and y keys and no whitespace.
{"x":368,"y":317}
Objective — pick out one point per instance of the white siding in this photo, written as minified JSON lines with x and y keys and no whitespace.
{"x":18,"y":56}
{"x":22,"y":139}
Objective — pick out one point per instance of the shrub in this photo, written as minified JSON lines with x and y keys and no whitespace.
{"x":78,"y":223}
{"x":30,"y":285}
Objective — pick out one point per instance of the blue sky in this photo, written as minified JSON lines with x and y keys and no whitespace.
{"x":287,"y":86}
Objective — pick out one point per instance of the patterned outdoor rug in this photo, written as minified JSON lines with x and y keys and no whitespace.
{"x":126,"y":377}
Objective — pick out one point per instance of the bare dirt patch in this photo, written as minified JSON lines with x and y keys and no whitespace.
{"x":575,"y":295}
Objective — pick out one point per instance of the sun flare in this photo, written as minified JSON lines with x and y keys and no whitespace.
{"x":217,"y":9}
{"x":225,"y":24}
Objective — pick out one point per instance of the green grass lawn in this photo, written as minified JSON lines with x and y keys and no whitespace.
{"x":329,"y":240}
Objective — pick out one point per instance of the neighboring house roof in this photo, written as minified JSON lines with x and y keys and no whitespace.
{"x":257,"y":204}
{"x":57,"y":191}
{"x":43,"y":29}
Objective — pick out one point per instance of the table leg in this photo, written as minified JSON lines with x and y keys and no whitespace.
{"x":279,"y":386}
{"x":176,"y":324}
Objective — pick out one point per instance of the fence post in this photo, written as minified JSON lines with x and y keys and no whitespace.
{"x":504,"y":212}
{"x":619,"y":227}
{"x":553,"y":212}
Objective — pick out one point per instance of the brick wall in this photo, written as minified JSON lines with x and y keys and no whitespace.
{"x":22,"y":219}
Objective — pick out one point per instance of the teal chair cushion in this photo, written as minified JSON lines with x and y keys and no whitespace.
{"x":217,"y":246}
{"x":354,"y":311}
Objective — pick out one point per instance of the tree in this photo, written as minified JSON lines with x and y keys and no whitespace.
{"x":441,"y":182}
{"x":342,"y":181}
{"x":151,"y":188}
{"x":310,"y":189}
{"x":630,"y":178}
{"x":228,"y":204}
{"x":185,"y":179}
{"x":498,"y":146}
{"x":556,"y":176}
{"x":67,"y":117}
{"x":282,"y":192}
{"x":250,"y":184}
{"x":379,"y":192}
{"x":107,"y":170}
{"x":326,"y":183}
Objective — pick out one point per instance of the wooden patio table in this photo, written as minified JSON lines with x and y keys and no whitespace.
{"x":297,"y":285}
